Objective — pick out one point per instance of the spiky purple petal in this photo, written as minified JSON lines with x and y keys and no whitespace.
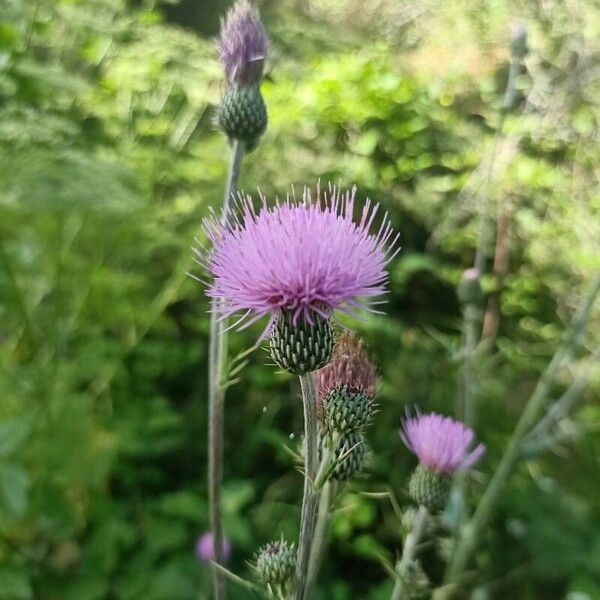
{"x":243,"y":44}
{"x":441,"y":443}
{"x":308,"y":257}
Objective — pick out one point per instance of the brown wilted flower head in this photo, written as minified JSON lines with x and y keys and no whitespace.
{"x":350,"y":366}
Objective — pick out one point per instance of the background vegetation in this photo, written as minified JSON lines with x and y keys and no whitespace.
{"x":109,"y":159}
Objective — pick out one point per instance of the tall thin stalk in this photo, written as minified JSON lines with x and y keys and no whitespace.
{"x":409,"y":551}
{"x":217,"y":361}
{"x":311,"y":495}
{"x":470,"y":534}
{"x":318,"y":543}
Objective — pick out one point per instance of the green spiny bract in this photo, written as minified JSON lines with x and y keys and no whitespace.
{"x":429,"y":488}
{"x":349,"y":451}
{"x":276,"y":563}
{"x":301,"y":348}
{"x":346,"y":409}
{"x":242,"y":114}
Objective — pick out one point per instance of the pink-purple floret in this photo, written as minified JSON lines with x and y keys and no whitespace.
{"x":205,"y":549}
{"x":308,"y":257}
{"x":243,"y":45}
{"x":440,"y":443}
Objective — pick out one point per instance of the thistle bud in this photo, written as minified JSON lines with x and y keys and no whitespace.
{"x":242,"y":114}
{"x":346,"y":409}
{"x":346,"y":387}
{"x":299,"y":346}
{"x":349,"y":454}
{"x":469,"y":287}
{"x":430,"y":488}
{"x":276,"y":563}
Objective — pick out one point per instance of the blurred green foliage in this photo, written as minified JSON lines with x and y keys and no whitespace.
{"x":109,"y":160}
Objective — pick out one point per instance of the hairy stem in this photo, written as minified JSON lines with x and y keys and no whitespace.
{"x":217,"y":360}
{"x":469,"y":537}
{"x":409,"y":551}
{"x":310,"y":496}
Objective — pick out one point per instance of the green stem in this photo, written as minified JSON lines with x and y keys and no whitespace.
{"x":469,"y":538}
{"x":311,"y":496}
{"x":216,"y":393}
{"x":318,"y":544}
{"x":409,"y":551}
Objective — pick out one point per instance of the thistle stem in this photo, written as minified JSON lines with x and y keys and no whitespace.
{"x":409,"y":551}
{"x":468,"y":540}
{"x":217,"y":361}
{"x":318,"y":543}
{"x":310,"y":496}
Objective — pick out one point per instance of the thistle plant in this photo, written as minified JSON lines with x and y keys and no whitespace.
{"x":443,"y":447}
{"x":242,"y":116}
{"x":297,"y":263}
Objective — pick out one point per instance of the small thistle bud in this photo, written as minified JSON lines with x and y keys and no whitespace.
{"x":276,"y":563}
{"x":346,"y":409}
{"x":242,"y":114}
{"x":346,"y":387}
{"x":301,"y":347}
{"x":469,"y":287}
{"x":429,"y":488}
{"x":518,"y":42}
{"x":350,"y":451}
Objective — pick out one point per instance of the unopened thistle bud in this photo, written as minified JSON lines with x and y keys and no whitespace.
{"x":442,"y":447}
{"x":276,"y":563}
{"x":349,"y":454}
{"x":346,"y":387}
{"x":469,"y":287}
{"x":299,"y":346}
{"x":243,"y":45}
{"x":242,"y":114}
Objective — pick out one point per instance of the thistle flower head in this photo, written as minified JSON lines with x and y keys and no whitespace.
{"x":205,"y":547}
{"x":243,"y":44}
{"x":350,"y":366}
{"x":305,"y":258}
{"x":440,"y":443}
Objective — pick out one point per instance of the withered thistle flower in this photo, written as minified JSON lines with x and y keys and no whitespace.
{"x":346,"y":386}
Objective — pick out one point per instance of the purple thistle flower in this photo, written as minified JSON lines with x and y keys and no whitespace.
{"x":440,"y":443}
{"x":205,"y":547}
{"x":307,"y":257}
{"x":243,"y":44}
